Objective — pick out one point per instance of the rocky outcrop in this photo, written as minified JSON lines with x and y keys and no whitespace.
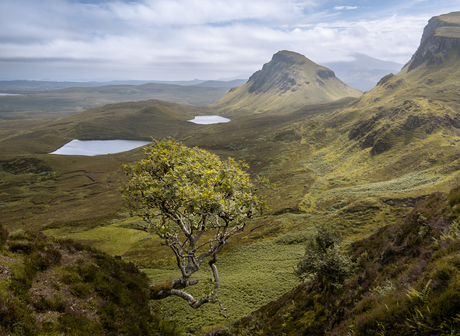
{"x":435,"y":46}
{"x":277,"y":73}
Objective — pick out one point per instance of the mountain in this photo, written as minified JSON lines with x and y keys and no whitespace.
{"x":421,"y":102}
{"x":289,"y":81}
{"x":363,"y":72}
{"x":218,"y":83}
{"x":389,"y":157}
{"x":439,"y":38}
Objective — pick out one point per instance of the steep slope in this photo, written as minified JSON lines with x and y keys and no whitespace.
{"x":58,"y":286}
{"x":440,"y":36}
{"x":407,"y":283}
{"x":289,"y":81}
{"x":418,"y":105}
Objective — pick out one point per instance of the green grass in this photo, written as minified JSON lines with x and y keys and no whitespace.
{"x":251,"y":275}
{"x":409,"y":182}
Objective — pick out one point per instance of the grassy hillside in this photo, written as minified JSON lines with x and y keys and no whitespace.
{"x":406,"y":283}
{"x":130,"y":120}
{"x":61,"y":287}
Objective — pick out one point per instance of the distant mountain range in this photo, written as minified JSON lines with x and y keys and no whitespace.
{"x":32,"y":85}
{"x":364,"y":71}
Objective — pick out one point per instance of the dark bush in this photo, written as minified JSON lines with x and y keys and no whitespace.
{"x":3,"y":236}
{"x":454,"y":196}
{"x":88,"y":272}
{"x":24,"y":248}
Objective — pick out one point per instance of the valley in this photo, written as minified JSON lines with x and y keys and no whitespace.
{"x":357,"y":161}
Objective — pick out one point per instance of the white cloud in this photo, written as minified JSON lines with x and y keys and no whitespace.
{"x":345,"y":7}
{"x":186,"y":39}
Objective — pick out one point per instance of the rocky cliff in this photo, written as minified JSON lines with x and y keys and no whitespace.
{"x":440,"y":36}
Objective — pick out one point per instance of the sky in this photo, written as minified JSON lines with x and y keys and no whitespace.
{"x":80,"y":40}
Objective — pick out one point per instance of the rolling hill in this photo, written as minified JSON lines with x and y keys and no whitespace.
{"x":34,"y":102}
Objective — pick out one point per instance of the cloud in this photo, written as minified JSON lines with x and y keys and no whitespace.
{"x":345,"y":7}
{"x":187,"y":39}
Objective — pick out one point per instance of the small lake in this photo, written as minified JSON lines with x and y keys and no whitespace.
{"x":10,"y":94}
{"x":103,"y":147}
{"x":210,"y":119}
{"x":98,"y":147}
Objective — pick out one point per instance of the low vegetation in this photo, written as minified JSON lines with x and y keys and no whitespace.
{"x":61,"y":287}
{"x":406,"y":283}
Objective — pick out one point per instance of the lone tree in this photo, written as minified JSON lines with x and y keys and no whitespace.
{"x":325,"y":259}
{"x":195,"y":203}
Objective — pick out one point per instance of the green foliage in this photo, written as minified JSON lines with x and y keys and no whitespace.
{"x":185,"y":194}
{"x":325,"y":259}
{"x":174,"y":180}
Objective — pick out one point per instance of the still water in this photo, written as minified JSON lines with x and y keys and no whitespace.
{"x":210,"y":119}
{"x":102,"y":147}
{"x":98,"y":147}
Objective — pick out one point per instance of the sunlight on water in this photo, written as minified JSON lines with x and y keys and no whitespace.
{"x":98,"y":147}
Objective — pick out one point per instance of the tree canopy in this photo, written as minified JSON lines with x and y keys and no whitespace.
{"x":325,"y":259}
{"x":182,"y":193}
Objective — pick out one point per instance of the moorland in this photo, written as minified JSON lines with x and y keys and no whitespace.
{"x":380,"y":166}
